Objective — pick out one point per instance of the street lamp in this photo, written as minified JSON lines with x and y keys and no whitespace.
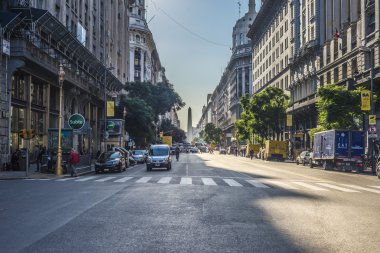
{"x":61,"y":76}
{"x":105,"y":106}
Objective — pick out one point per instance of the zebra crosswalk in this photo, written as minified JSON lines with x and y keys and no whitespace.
{"x":241,"y":182}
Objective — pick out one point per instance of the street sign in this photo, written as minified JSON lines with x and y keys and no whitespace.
{"x":372,"y":119}
{"x":372,"y":130}
{"x":366,"y":100}
{"x":289,"y":120}
{"x":111,"y":124}
{"x":76,"y":121}
{"x":372,"y":136}
{"x":6,"y":47}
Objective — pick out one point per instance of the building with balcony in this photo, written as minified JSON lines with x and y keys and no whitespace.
{"x":89,"y":39}
{"x":146,"y":65}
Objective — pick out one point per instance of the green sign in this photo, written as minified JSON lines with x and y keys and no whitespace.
{"x":111,"y":125}
{"x":76,"y":121}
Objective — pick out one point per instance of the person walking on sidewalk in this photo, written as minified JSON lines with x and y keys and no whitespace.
{"x":251,"y":153}
{"x":39,"y":159}
{"x":74,"y":161}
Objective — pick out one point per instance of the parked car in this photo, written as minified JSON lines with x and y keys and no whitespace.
{"x":132,"y":160}
{"x":110,"y":161}
{"x":303,"y":158}
{"x":312,"y":162}
{"x":194,"y":150}
{"x":159,"y":157}
{"x":139,"y":155}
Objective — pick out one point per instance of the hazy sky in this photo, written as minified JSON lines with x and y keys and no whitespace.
{"x":193,"y":38}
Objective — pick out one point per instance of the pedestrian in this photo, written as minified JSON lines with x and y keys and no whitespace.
{"x":74,"y":161}
{"x":98,"y":154}
{"x":251,"y":153}
{"x":39,"y":159}
{"x":15,"y":160}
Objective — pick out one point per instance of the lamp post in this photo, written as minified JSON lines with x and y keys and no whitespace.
{"x":61,"y":76}
{"x":105,"y":106}
{"x":370,"y":142}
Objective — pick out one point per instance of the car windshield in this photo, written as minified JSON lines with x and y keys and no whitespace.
{"x":158,"y":152}
{"x":138,"y":152}
{"x":108,"y":156}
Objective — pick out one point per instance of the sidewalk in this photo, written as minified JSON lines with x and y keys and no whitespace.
{"x":32,"y":174}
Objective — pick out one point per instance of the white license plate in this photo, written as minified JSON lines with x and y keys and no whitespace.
{"x":156,"y":164}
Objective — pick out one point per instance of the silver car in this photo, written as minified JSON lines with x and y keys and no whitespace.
{"x":159,"y":157}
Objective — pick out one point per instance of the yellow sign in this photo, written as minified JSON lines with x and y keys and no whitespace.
{"x":366,"y":100}
{"x":167,"y":140}
{"x":161,"y":134}
{"x":372,"y":119}
{"x":289,"y":120}
{"x":110,"y":109}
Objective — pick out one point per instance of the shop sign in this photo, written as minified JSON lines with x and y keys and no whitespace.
{"x":289,"y":120}
{"x":372,"y":119}
{"x":111,"y":124}
{"x":76,"y":121}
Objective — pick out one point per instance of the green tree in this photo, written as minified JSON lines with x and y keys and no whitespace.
{"x":209,"y":132}
{"x":138,"y":120}
{"x":169,"y":129}
{"x":338,"y":108}
{"x":263,"y":113}
{"x":160,"y":97}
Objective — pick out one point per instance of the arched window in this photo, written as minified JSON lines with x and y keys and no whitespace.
{"x":138,"y":38}
{"x":241,"y":39}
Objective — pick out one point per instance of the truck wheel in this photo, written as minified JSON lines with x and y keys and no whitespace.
{"x":311,"y":165}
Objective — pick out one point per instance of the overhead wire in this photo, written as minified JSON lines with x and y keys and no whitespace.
{"x":159,"y":9}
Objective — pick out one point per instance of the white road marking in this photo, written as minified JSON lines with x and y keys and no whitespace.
{"x":164,"y":180}
{"x":208,"y":181}
{"x":143,"y":180}
{"x":361,"y":188}
{"x":186,"y":180}
{"x":232,"y":182}
{"x":282,"y":185}
{"x":104,"y":179}
{"x":187,"y":169}
{"x":65,"y":179}
{"x":309,"y":186}
{"x":85,"y":179}
{"x":123,"y":179}
{"x":257,"y":184}
{"x":336,"y":187}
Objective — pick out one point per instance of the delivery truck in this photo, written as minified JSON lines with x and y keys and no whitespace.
{"x":275,"y":150}
{"x":339,"y":149}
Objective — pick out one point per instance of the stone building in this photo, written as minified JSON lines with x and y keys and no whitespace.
{"x":301,"y":45}
{"x":146,"y":65}
{"x":90,"y":40}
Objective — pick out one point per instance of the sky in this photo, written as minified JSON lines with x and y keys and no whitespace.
{"x":193,"y":39}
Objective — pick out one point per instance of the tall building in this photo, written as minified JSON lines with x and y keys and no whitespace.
{"x":146,"y":65}
{"x":300,"y":46}
{"x":89,"y":39}
{"x":223,"y":105}
{"x":189,"y":125}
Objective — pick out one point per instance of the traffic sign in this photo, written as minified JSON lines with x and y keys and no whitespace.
{"x":372,"y":119}
{"x":372,"y":130}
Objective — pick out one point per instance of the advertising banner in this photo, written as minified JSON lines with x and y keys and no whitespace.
{"x":365,"y":100}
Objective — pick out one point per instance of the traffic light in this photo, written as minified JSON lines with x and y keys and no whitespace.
{"x":22,"y":133}
{"x":31,"y":133}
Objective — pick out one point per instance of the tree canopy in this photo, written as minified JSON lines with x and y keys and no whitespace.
{"x":212,"y":134}
{"x":338,"y":108}
{"x":161,"y":97}
{"x":263,"y":114}
{"x":168,"y":128}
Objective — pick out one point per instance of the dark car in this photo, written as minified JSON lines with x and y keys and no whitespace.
{"x":139,"y":155}
{"x":110,"y":161}
{"x":303,"y":158}
{"x":159,"y":157}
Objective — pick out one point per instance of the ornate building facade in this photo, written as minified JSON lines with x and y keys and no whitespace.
{"x":88,"y":38}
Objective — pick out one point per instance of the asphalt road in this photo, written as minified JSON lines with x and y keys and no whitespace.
{"x":206,"y":203}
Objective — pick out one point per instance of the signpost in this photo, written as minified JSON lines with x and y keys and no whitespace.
{"x":76,"y":121}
